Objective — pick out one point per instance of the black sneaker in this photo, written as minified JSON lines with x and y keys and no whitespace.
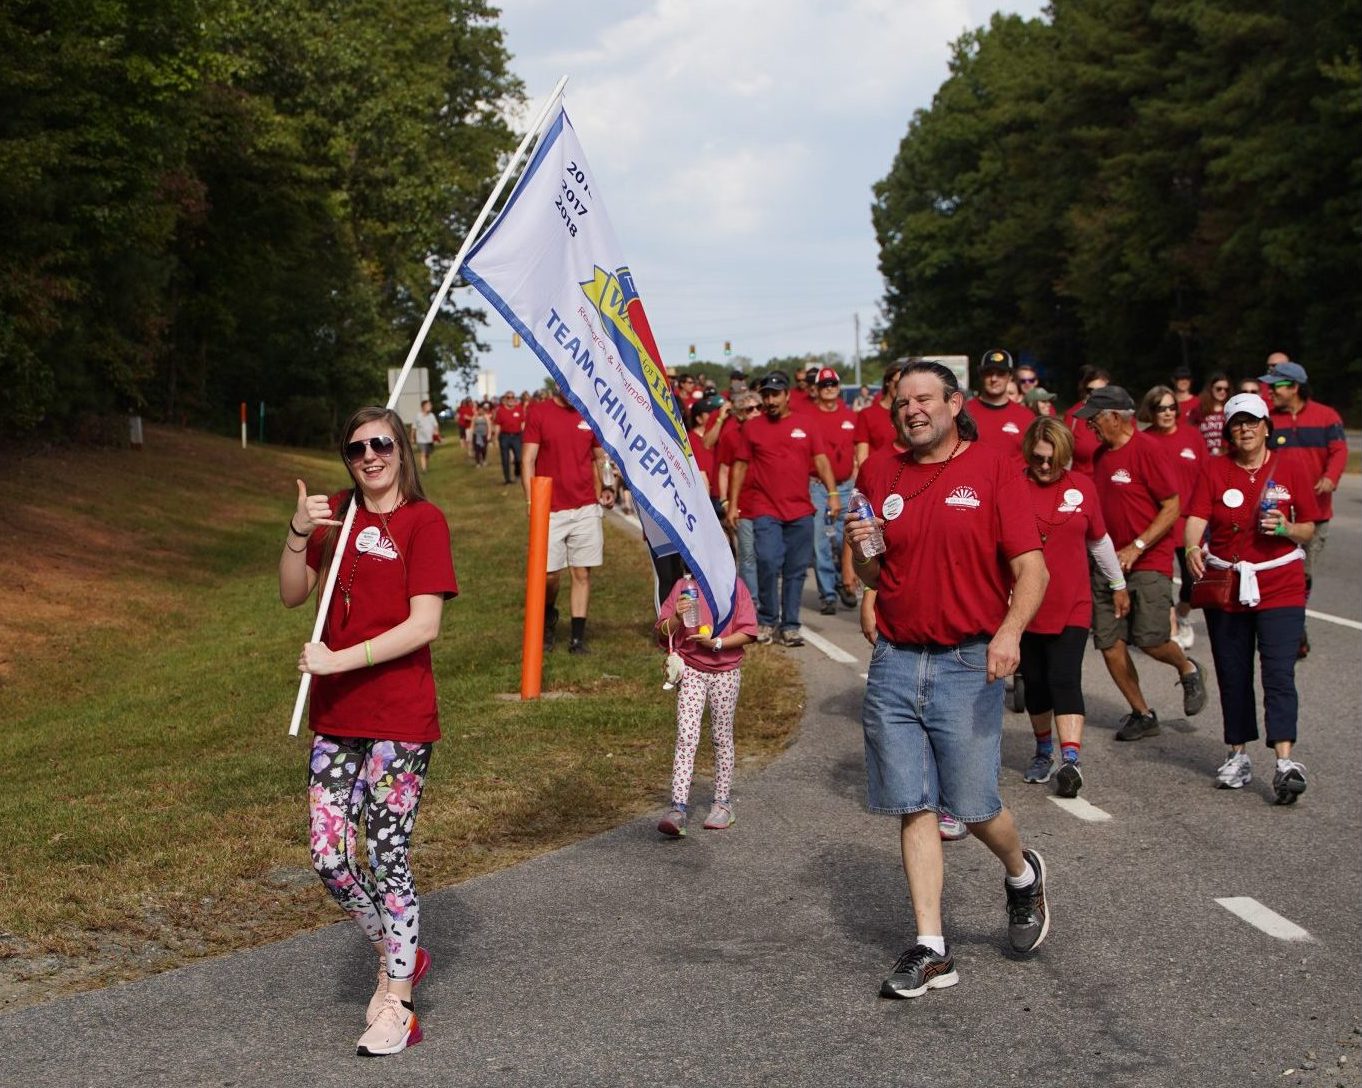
{"x":846,"y":595}
{"x":550,"y":629}
{"x":578,"y":646}
{"x":1289,"y":784}
{"x":829,"y":607}
{"x":1136,"y":726}
{"x":1028,"y":918}
{"x":919,"y":970}
{"x":1069,"y":780}
{"x":1193,"y":690}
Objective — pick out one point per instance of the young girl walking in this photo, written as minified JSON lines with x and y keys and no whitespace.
{"x":711,"y":671}
{"x":373,"y":709}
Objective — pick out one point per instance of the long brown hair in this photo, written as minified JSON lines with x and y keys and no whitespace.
{"x":408,"y":482}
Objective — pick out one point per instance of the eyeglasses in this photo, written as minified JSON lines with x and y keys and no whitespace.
{"x":1165,"y":407}
{"x":1027,"y":381}
{"x":381,"y":444}
{"x":1283,"y":385}
{"x":1246,"y":421}
{"x":1092,"y":388}
{"x":1037,"y":459}
{"x":1220,"y":389}
{"x":749,"y":409}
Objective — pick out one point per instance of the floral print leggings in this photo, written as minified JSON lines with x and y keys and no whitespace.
{"x":721,"y":689}
{"x":381,"y":781}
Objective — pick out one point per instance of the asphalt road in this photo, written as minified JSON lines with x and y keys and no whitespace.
{"x":753,"y":956}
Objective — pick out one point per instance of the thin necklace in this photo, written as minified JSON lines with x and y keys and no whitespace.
{"x":354,"y":563}
{"x":1045,"y":526}
{"x":907,"y":456}
{"x":1253,"y":472}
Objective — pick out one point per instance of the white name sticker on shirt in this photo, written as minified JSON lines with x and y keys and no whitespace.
{"x":893,"y":507}
{"x":371,"y":541}
{"x":1072,"y":496}
{"x":1233,"y":498}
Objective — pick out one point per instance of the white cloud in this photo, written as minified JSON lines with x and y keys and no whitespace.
{"x":736,"y":142}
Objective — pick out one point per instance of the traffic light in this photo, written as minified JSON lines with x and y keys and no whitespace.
{"x":728,"y":348}
{"x":515,"y":339}
{"x":692,"y":353}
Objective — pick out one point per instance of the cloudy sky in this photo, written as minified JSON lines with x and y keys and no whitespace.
{"x":735,"y":143}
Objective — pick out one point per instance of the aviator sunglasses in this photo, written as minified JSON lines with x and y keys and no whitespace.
{"x":381,"y":444}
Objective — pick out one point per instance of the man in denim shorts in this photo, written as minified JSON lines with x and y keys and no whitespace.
{"x":1137,"y":485}
{"x":960,"y":577}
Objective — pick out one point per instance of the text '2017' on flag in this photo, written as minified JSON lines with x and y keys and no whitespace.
{"x":551,"y":266}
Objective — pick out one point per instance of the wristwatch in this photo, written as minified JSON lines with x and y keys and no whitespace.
{"x":718,"y":645}
{"x":1139,"y":543}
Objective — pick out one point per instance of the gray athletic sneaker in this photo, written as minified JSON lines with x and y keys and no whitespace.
{"x":1235,"y":773}
{"x":1040,"y":769}
{"x":1193,"y":690}
{"x":1136,"y":726}
{"x":919,"y":970}
{"x":674,"y":823}
{"x":1028,"y":915}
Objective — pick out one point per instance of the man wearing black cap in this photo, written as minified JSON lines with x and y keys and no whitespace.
{"x":1138,"y":489}
{"x":836,"y":424}
{"x":1182,"y":389}
{"x":1001,"y":421}
{"x":774,"y":456}
{"x":1308,"y":432}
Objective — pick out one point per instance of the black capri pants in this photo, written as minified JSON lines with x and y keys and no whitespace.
{"x":1052,"y":671}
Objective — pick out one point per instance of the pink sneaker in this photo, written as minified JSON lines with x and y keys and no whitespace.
{"x":394,"y":1029}
{"x":720,"y":817}
{"x":381,"y":990}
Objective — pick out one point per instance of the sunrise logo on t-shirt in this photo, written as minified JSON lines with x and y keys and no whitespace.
{"x":1279,"y":493}
{"x":848,"y":425}
{"x":1120,"y":476}
{"x":371,"y":542}
{"x":1187,"y":453}
{"x":797,"y":433}
{"x":584,"y":426}
{"x":963,"y":496}
{"x":1010,"y":428}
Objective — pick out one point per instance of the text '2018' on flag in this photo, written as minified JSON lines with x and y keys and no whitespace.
{"x":551,"y":266}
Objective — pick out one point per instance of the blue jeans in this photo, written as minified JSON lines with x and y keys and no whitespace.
{"x":747,"y":557}
{"x":1277,"y":631}
{"x":933,"y":730}
{"x":784,"y":552}
{"x":827,"y":548}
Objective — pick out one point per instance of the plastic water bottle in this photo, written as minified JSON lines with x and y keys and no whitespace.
{"x":859,"y":507}
{"x":688,"y":602}
{"x":1268,"y":505}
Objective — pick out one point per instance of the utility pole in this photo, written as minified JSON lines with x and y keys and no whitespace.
{"x":856,"y":351}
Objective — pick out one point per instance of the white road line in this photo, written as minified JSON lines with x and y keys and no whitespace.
{"x":1269,"y":921}
{"x":818,"y":642}
{"x":1076,"y":806}
{"x":1333,"y":619}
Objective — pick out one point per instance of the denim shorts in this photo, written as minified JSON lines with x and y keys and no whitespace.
{"x":933,"y":730}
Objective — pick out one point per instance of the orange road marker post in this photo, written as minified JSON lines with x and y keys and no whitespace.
{"x":536,"y":575}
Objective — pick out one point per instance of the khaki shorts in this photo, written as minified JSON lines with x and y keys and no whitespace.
{"x":576,"y":538}
{"x":1315,"y":547}
{"x":1147,"y":623}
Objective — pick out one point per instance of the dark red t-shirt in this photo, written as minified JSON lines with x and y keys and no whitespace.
{"x":801,"y":402}
{"x":465,"y":415}
{"x":381,"y":570}
{"x":1188,"y":453}
{"x":1002,"y":426}
{"x":1230,"y":501}
{"x":875,"y":427}
{"x":565,"y":443}
{"x":1067,"y":516}
{"x":705,"y":460}
{"x":1132,"y":483}
{"x":510,"y":420}
{"x":945,"y":574}
{"x":1086,"y":443}
{"x":779,"y":457}
{"x":837,"y":429}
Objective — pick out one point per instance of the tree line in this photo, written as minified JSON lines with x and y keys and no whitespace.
{"x":1137,"y":185}
{"x":204,"y":202}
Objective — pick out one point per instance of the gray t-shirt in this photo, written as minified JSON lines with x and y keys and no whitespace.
{"x":426,"y":426}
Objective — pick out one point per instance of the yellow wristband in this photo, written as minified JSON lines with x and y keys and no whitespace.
{"x":368,"y":652}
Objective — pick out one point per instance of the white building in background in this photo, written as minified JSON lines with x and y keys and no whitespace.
{"x":487,"y":385}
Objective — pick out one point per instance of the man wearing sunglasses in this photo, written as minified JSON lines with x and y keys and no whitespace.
{"x":1138,"y":490}
{"x":560,"y":444}
{"x":1312,"y":434}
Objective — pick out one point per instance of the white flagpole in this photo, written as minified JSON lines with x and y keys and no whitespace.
{"x":329,"y":588}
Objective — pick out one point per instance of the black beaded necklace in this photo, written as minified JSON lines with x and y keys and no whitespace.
{"x":354,"y":563}
{"x":1046,"y":526}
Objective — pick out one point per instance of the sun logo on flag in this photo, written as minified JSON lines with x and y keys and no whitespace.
{"x":617,"y":301}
